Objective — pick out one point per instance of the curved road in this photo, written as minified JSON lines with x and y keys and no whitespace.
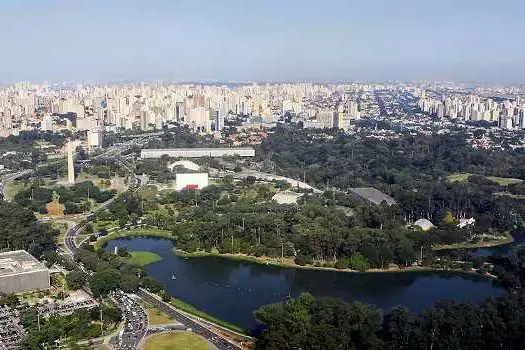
{"x":216,"y":339}
{"x":131,"y":336}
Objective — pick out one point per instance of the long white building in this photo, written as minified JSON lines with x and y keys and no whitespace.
{"x":197,"y":152}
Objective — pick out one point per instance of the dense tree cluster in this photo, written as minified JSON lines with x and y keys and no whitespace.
{"x":413,"y":169}
{"x":309,"y":323}
{"x":510,"y":267}
{"x":19,"y":229}
{"x":81,"y":324}
{"x":126,"y":208}
{"x":75,"y":198}
{"x":181,"y":136}
{"x":103,"y":168}
{"x":22,"y":153}
{"x":242,"y":218}
{"x":110,"y":272}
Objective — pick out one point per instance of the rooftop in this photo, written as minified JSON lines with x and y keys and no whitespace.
{"x":424,"y":224}
{"x":18,"y":261}
{"x":286,"y":197}
{"x":186,"y":164}
{"x":372,"y":195}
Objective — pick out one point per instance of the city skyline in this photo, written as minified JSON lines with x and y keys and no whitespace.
{"x":97,"y":42}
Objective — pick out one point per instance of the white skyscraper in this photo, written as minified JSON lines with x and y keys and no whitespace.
{"x":47,"y":123}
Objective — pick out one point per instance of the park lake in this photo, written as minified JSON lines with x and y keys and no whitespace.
{"x":231,"y":290}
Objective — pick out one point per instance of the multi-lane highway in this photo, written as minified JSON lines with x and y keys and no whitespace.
{"x":135,"y":323}
{"x":197,"y":327}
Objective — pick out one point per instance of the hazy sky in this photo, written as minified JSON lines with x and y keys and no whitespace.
{"x":270,"y":40}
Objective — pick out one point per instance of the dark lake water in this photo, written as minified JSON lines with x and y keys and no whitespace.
{"x":232,"y":290}
{"x":519,"y":239}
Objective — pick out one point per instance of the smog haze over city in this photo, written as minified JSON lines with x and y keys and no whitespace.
{"x":262,"y":40}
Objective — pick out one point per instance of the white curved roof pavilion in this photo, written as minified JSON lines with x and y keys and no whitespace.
{"x":186,"y":164}
{"x":424,"y":224}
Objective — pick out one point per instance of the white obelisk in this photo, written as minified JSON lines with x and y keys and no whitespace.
{"x":70,"y":166}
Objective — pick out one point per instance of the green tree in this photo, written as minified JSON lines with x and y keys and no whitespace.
{"x":358,"y":262}
{"x":10,"y":300}
{"x":76,"y":279}
{"x":104,"y":281}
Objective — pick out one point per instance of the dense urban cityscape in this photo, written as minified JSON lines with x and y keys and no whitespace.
{"x":111,"y":108}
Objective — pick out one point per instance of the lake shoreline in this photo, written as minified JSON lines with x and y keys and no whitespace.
{"x":490,"y":244}
{"x":291,"y":265}
{"x":251,"y":294}
{"x":276,"y":262}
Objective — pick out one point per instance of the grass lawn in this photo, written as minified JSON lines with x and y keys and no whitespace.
{"x":147,"y":192}
{"x":12,"y":188}
{"x":79,"y":239}
{"x":176,"y":341}
{"x":103,"y":347}
{"x":62,"y":227}
{"x":505,"y":238}
{"x":155,"y":316}
{"x":142,"y":258}
{"x":510,"y":195}
{"x":194,"y":311}
{"x":458,"y":177}
{"x":502,"y":181}
{"x":99,"y":225}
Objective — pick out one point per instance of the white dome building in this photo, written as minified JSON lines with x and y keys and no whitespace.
{"x":423,"y":224}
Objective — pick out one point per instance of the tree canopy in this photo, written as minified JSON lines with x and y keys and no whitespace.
{"x":19,"y":229}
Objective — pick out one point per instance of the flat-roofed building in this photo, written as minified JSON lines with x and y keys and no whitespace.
{"x":197,"y":152}
{"x":372,"y":195}
{"x":192,"y":181}
{"x":21,"y":272}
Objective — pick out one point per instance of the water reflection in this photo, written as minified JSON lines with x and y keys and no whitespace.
{"x":232,"y":290}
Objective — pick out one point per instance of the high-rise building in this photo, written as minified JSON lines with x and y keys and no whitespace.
{"x":440,"y":111}
{"x":198,"y":117}
{"x":47,"y":123}
{"x":94,"y":139}
{"x":337,"y":119}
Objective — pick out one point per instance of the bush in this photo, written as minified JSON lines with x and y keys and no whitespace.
{"x":165,"y":297}
{"x":359,"y":263}
{"x":224,"y":200}
{"x":354,"y":262}
{"x":302,"y":260}
{"x":342,"y":264}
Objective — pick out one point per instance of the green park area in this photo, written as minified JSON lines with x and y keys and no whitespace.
{"x":74,"y":199}
{"x":12,"y":188}
{"x":155,"y":316}
{"x":176,"y":341}
{"x":502,"y":181}
{"x":142,"y":258}
{"x":142,"y":232}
